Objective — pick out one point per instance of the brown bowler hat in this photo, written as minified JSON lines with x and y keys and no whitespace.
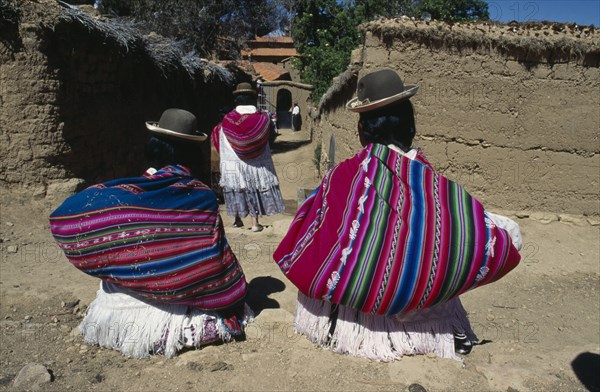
{"x":244,"y":88}
{"x":379,"y":89}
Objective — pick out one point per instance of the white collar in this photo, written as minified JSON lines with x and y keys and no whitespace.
{"x":246,"y":109}
{"x":412,"y":154}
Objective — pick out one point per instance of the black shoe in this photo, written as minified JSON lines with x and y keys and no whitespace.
{"x":238,"y":223}
{"x":462,"y":345}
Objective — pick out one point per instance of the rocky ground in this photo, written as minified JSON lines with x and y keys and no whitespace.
{"x":539,"y":325}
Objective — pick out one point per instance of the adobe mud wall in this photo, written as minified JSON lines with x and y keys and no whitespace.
{"x":518,"y":128}
{"x":74,"y":100}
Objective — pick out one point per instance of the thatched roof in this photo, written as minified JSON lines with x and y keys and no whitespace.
{"x":166,"y":53}
{"x":529,"y":42}
{"x":342,"y":89}
{"x":289,"y":83}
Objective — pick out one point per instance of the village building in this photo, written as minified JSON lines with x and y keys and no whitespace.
{"x":277,"y":80}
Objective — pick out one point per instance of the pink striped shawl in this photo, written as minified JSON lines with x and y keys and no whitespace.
{"x":387,"y":235}
{"x":248,"y":134}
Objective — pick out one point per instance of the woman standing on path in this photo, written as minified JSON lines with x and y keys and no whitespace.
{"x":248,"y":178}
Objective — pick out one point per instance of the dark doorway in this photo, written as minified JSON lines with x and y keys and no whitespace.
{"x":284,"y":106}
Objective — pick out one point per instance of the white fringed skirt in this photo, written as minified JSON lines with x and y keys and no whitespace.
{"x":383,"y":338}
{"x":249,"y":187}
{"x":138,"y":329}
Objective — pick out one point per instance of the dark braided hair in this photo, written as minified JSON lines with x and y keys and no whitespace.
{"x":393,"y":124}
{"x":245,"y":99}
{"x":162,"y":151}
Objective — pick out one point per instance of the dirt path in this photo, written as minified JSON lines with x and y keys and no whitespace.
{"x":535,"y":322}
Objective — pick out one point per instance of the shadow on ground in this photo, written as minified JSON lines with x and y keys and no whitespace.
{"x":259,"y":290}
{"x":285,"y":145}
{"x":586,"y":367}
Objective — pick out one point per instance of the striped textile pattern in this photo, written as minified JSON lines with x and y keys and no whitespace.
{"x":248,"y":134}
{"x":387,"y":235}
{"x":159,"y":237}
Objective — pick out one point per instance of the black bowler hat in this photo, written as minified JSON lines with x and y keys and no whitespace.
{"x":379,"y":89}
{"x":177,"y":123}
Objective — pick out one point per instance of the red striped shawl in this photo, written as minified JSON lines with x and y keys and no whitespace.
{"x":387,"y":235}
{"x":248,"y":134}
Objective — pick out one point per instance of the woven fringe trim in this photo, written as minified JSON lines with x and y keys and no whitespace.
{"x":137,"y":329}
{"x":382,"y":338}
{"x":258,"y":173}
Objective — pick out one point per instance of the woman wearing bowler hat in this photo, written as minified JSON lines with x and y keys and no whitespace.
{"x":382,"y":249}
{"x":248,"y":178}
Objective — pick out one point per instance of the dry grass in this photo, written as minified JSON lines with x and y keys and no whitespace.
{"x":341,"y":90}
{"x":167,"y":54}
{"x":544,"y":42}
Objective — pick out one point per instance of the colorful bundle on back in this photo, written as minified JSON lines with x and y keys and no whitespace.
{"x":159,"y":237}
{"x":248,"y":134}
{"x":387,"y":235}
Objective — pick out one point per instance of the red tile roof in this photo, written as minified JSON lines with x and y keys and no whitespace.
{"x":269,"y":71}
{"x":270,"y":52}
{"x":287,"y":40}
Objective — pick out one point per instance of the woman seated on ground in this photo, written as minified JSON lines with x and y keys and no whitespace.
{"x":169,"y":277}
{"x":382,"y":249}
